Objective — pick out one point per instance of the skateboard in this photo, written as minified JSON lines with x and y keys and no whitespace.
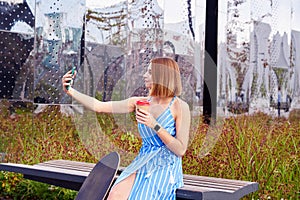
{"x":100,"y":179}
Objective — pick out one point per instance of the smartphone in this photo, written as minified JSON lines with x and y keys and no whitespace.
{"x":71,"y":81}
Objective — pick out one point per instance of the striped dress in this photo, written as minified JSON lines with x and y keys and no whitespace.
{"x":158,"y":170}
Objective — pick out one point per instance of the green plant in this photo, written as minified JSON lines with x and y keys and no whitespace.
{"x":13,"y":185}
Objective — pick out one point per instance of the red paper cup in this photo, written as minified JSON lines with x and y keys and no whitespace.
{"x":143,"y":104}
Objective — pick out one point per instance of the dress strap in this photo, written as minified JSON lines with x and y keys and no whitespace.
{"x":172,"y":101}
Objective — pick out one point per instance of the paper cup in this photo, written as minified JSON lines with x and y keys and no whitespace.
{"x":143,"y":105}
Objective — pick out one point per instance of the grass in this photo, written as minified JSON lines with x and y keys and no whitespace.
{"x":255,"y":148}
{"x":250,"y":147}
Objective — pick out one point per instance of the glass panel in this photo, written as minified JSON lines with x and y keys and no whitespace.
{"x":16,"y":41}
{"x":59,"y":32}
{"x":104,"y":72}
{"x":295,"y":56}
{"x":17,"y":16}
{"x":255,"y":56}
{"x":16,"y":69}
{"x":183,"y":39}
{"x":234,"y":42}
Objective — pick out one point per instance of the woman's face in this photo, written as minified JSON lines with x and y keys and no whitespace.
{"x":148,"y":77}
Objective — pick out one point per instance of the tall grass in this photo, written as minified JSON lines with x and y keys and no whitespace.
{"x":255,"y":148}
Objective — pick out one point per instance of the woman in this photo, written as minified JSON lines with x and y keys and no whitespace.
{"x":156,"y":172}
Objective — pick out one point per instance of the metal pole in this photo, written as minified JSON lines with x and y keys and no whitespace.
{"x":210,"y":62}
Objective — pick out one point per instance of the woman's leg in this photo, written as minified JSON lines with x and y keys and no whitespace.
{"x":122,"y":190}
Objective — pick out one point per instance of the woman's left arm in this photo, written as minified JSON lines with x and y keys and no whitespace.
{"x":179,"y":144}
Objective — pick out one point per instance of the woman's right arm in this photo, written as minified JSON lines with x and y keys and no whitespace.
{"x":124,"y":106}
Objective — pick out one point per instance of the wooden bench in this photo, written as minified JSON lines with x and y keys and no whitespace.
{"x":71,"y":175}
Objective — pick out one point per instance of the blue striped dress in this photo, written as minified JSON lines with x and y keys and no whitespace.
{"x":158,"y":170}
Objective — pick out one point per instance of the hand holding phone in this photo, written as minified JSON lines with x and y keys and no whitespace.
{"x":71,"y":81}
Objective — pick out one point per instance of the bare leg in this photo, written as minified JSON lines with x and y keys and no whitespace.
{"x":121,"y":191}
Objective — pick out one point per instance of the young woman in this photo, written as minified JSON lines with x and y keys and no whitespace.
{"x":156,"y":172}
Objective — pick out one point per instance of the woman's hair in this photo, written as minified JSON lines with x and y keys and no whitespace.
{"x":166,"y":81}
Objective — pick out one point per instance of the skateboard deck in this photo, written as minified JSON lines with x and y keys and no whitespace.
{"x":100,"y":179}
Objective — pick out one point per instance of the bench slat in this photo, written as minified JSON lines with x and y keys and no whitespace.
{"x":85,"y":168}
{"x":213,"y":179}
{"x":229,"y":188}
{"x":217,"y":183}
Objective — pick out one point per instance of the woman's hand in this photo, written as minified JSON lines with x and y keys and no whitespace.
{"x":145,"y":117}
{"x":67,"y":80}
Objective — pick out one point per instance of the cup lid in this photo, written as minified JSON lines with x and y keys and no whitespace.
{"x":142,"y":103}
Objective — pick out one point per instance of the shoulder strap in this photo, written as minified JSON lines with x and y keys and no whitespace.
{"x":171,"y":102}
